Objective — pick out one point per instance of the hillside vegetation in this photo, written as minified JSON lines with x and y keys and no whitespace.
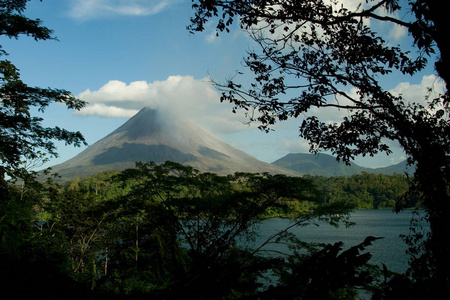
{"x":361,"y":191}
{"x":165,"y":231}
{"x":366,"y":191}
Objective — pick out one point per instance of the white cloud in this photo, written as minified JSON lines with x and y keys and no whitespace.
{"x":88,"y":9}
{"x":397,"y":32}
{"x":182,"y":96}
{"x":418,"y":92}
{"x":100,"y":109}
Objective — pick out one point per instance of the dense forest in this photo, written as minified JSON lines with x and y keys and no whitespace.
{"x":367,"y":191}
{"x":168,"y":230}
{"x":362,"y":191}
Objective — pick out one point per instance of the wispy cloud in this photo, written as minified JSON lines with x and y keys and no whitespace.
{"x":212,"y":36}
{"x":91,"y":9}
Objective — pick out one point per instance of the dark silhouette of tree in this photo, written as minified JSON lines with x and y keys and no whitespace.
{"x":22,"y":135}
{"x":31,"y":267}
{"x":311,"y":52}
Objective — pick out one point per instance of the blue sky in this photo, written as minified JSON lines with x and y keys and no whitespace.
{"x":122,"y":55}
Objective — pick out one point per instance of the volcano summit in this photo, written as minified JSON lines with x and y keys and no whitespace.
{"x":152,"y":136}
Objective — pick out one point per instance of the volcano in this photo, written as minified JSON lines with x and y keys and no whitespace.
{"x":153,"y":136}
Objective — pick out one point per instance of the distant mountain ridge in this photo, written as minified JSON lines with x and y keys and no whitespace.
{"x":153,"y":136}
{"x":326,"y":165}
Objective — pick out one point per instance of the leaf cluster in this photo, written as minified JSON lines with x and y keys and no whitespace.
{"x":13,"y":23}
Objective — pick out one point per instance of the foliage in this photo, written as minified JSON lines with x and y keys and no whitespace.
{"x":169,"y":230}
{"x":366,"y":191}
{"x":325,"y":274}
{"x":29,"y":258}
{"x":22,"y":135}
{"x":312,"y":52}
{"x":33,"y":266}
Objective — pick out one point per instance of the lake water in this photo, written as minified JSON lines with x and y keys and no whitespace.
{"x":378,"y":223}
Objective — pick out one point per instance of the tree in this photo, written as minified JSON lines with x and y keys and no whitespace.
{"x":27,"y":259}
{"x":30,"y":258}
{"x":310,"y":52}
{"x":213,"y":219}
{"x":22,"y":135}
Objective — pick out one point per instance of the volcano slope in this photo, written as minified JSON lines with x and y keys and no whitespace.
{"x":153,"y":136}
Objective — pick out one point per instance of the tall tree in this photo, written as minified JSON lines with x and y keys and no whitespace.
{"x":22,"y":136}
{"x":26,"y":259}
{"x":312,"y":51}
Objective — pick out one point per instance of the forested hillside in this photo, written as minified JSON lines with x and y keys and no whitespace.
{"x":361,"y":191}
{"x":365,"y":190}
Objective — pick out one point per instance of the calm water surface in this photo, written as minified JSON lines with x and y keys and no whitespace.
{"x":379,"y":223}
